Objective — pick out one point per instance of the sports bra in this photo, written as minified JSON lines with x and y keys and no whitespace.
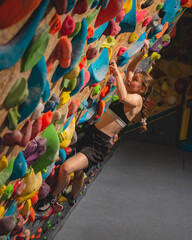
{"x":116,"y":110}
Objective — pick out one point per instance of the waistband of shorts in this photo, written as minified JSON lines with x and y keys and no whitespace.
{"x":102,"y":134}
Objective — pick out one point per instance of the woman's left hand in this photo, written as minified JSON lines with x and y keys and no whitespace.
{"x":114,"y":67}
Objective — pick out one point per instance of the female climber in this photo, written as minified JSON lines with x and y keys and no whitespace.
{"x":93,"y":147}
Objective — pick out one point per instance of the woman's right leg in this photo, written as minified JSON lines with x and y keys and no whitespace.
{"x":76,"y":163}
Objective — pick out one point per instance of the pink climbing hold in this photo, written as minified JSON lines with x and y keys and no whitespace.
{"x":121,"y":16}
{"x":26,"y":132}
{"x":121,"y":51}
{"x":81,"y":6}
{"x":72,"y":108}
{"x":68,"y":26}
{"x":183,"y":2}
{"x":112,"y":10}
{"x":146,"y":21}
{"x":86,"y":78}
{"x":112,"y":29}
{"x":36,"y":128}
{"x":140,"y":15}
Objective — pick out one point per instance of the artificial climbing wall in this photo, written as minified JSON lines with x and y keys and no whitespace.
{"x":38,"y":61}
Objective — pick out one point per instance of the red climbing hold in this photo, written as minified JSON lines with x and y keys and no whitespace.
{"x":112,"y":29}
{"x":36,"y":128}
{"x":146,"y":21}
{"x":86,"y":78}
{"x":64,"y":49}
{"x":81,"y":6}
{"x":121,"y":51}
{"x":112,"y":10}
{"x":83,"y":62}
{"x":105,"y":91}
{"x":121,"y":16}
{"x":72,"y":108}
{"x":68,"y":26}
{"x":46,"y":120}
{"x":91,"y":52}
{"x":26,"y":132}
{"x":60,"y":6}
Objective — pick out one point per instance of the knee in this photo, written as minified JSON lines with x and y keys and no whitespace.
{"x":65,"y":169}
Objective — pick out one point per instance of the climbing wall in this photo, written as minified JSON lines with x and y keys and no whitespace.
{"x":55,"y":80}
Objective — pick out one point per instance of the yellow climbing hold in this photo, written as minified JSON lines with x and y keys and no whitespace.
{"x":145,"y":56}
{"x":72,"y":176}
{"x":164,"y":86}
{"x":2,"y":189}
{"x":73,"y":73}
{"x":26,"y":207}
{"x":67,"y":134}
{"x":65,"y":96}
{"x":3,"y":163}
{"x":150,"y":69}
{"x":133,"y":37}
{"x":109,"y":42}
{"x":127,"y":6}
{"x":62,"y":199}
{"x":110,"y":53}
{"x":155,"y":56}
{"x":2,"y":209}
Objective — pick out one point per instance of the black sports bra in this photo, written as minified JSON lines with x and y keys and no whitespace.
{"x":118,"y":108}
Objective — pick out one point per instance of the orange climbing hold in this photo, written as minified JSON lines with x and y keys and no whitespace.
{"x":32,"y":215}
{"x":64,"y":50}
{"x":83,"y":62}
{"x":173,"y":32}
{"x":105,"y":91}
{"x":55,"y":24}
{"x":90,"y":32}
{"x":160,"y":34}
{"x":12,"y":11}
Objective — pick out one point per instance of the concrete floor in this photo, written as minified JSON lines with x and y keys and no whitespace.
{"x":142,"y":193}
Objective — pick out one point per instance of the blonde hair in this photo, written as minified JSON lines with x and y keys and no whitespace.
{"x":147,"y":82}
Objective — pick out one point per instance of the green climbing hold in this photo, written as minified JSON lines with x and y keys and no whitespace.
{"x":89,"y":2}
{"x":59,"y":213}
{"x":6,"y":172}
{"x":108,"y":99}
{"x":49,"y":225}
{"x":13,"y":117}
{"x":97,"y":89}
{"x":17,"y":94}
{"x":36,"y":49}
{"x":76,"y":30}
{"x":159,"y":6}
{"x":48,"y":222}
{"x":91,"y":16}
{"x":44,"y":237}
{"x":166,"y":38}
{"x":68,"y":84}
{"x":115,"y":98}
{"x":53,"y":228}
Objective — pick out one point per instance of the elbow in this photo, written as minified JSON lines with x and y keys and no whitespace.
{"x":122,"y":99}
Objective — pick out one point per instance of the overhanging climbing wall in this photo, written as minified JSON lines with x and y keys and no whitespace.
{"x":54,"y":75}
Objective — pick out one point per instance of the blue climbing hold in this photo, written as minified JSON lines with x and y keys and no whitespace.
{"x":19,"y":167}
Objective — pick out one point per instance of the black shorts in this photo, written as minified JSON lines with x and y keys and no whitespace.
{"x":94,"y":145}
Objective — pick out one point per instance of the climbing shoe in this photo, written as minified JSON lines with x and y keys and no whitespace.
{"x":70,"y":200}
{"x":43,"y":204}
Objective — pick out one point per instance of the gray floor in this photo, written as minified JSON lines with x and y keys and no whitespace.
{"x":142,"y":193}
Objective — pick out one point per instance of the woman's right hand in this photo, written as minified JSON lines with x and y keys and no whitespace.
{"x":113,"y":66}
{"x":145,"y":47}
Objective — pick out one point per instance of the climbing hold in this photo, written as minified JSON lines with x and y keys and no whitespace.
{"x":61,"y":6}
{"x":155,"y":20}
{"x":36,"y":48}
{"x":146,"y":21}
{"x":83,"y":62}
{"x":68,"y":85}
{"x":94,"y":4}
{"x":26,"y":133}
{"x":128,"y":24}
{"x":70,"y":5}
{"x":97,"y":89}
{"x":140,"y":15}
{"x":2,"y":210}
{"x":44,"y":190}
{"x":91,"y":52}
{"x":46,"y":120}
{"x":77,"y":48}
{"x":73,"y":106}
{"x":109,"y":42}
{"x":3,"y":163}
{"x":121,"y":51}
{"x":112,"y":10}
{"x":105,"y":91}
{"x":2,"y":189}
{"x":65,"y":96}
{"x":120,"y":17}
{"x":147,"y":3}
{"x":37,"y":113}
{"x":159,"y":6}
{"x":81,"y":6}
{"x":73,"y":73}
{"x":160,"y":34}
{"x":97,"y":33}
{"x":133,"y":38}
{"x":68,"y":26}
{"x":76,"y":30}
{"x":110,"y":51}
{"x":166,"y":38}
{"x":36,"y":86}
{"x":80,"y":81}
{"x":12,"y":138}
{"x":64,"y":49}
{"x":155,"y":30}
{"x":171,"y":100}
{"x":32,"y":215}
{"x":170,"y":7}
{"x":150,"y":69}
{"x":99,"y":68}
{"x":19,"y":167}
{"x":89,"y":113}
{"x":90,"y":32}
{"x":36,"y":128}
{"x":55,"y":24}
{"x":17,"y":94}
{"x":21,"y":40}
{"x":49,"y":106}
{"x":162,"y":13}
{"x":7,"y":193}
{"x":26,"y":207}
{"x":155,"y":56}
{"x":164,"y":86}
{"x":7,"y":224}
{"x":112,"y":29}
{"x":13,"y":117}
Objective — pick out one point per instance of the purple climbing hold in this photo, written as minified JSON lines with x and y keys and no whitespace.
{"x":44,"y":190}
